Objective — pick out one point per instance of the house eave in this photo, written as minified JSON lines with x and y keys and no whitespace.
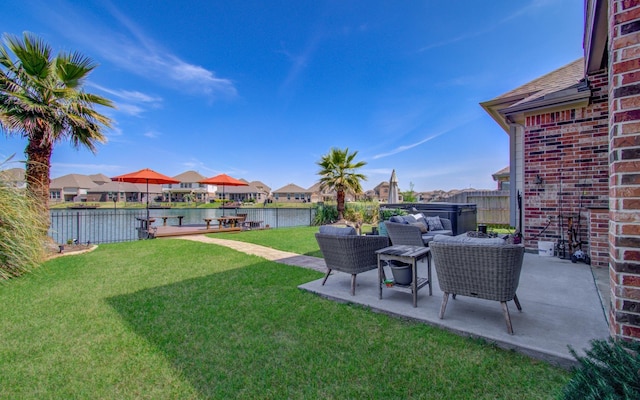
{"x":547,"y":103}
{"x":595,"y":35}
{"x":494,"y":107}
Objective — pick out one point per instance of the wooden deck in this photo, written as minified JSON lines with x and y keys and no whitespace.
{"x":195,"y":229}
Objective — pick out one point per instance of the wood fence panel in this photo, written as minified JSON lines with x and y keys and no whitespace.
{"x":492,"y":205}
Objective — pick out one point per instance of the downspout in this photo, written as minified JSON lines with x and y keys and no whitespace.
{"x":515,"y":184}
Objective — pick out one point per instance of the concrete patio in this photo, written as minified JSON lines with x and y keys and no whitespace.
{"x":563,"y":304}
{"x":561,"y":307}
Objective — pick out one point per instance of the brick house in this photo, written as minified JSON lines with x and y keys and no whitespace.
{"x":575,"y":154}
{"x":292,"y":193}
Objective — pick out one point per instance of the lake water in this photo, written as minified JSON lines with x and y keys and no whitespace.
{"x":108,"y":225}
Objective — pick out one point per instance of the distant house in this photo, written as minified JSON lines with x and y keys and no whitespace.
{"x":14,"y":177}
{"x":325,"y":194}
{"x":98,"y":187}
{"x":318,"y":194}
{"x":123,"y":191}
{"x":381,"y":192}
{"x":189,"y":185}
{"x":502,"y":177}
{"x":255,"y":191}
{"x":71,"y":187}
{"x":292,"y":194}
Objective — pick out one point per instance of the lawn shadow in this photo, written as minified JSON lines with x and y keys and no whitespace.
{"x":220,"y":331}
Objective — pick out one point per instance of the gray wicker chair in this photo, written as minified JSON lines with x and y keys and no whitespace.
{"x":351,"y":254}
{"x":410,"y":235}
{"x":484,"y":271}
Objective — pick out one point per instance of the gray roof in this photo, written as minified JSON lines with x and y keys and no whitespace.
{"x":291,"y":188}
{"x":13,"y":175}
{"x":100,"y":178}
{"x":72,"y":181}
{"x":566,"y":83}
{"x":190,"y":177}
{"x":259,"y":185}
{"x":554,"y":81}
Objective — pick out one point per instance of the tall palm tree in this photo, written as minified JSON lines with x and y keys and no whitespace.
{"x":338,"y":172}
{"x":42,"y":100}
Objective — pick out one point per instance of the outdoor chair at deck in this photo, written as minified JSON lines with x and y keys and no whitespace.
{"x":483,"y":268}
{"x":347,"y":252}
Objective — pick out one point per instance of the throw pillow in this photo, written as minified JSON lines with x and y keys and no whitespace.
{"x":423,"y":229}
{"x":423,"y":221}
{"x":434,"y":223}
{"x":398,"y":219}
{"x":410,"y":219}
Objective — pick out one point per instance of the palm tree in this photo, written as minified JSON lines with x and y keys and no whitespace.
{"x":42,"y":100}
{"x":338,"y":172}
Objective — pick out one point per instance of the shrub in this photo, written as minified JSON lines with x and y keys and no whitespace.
{"x":325,"y":214}
{"x":386,"y":213}
{"x":361,"y":212}
{"x":22,"y":232}
{"x":610,"y":370}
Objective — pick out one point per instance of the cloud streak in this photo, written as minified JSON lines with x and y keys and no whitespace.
{"x":406,"y":147}
{"x":534,"y":5}
{"x":130,"y":102}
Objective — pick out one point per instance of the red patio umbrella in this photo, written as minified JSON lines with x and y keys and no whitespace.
{"x":223,"y":180}
{"x":145,"y":176}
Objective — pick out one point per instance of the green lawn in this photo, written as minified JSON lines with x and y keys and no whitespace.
{"x":173,"y":319}
{"x":300,"y":240}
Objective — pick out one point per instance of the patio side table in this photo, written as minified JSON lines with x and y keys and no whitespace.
{"x":410,"y":255}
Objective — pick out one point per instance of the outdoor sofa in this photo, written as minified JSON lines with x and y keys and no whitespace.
{"x":416,"y":229}
{"x":345,"y":251}
{"x":486,"y":268}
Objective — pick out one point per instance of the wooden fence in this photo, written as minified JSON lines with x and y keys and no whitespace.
{"x":492,"y":205}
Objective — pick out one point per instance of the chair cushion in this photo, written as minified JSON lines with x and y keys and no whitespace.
{"x":398,"y":219}
{"x":468,"y":240}
{"x":434,"y":223}
{"x":337,"y":231}
{"x":441,"y":232}
{"x":420,"y":225}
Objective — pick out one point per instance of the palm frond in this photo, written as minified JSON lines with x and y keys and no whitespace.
{"x":33,"y":53}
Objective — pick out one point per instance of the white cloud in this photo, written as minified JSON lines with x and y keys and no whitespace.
{"x":130,"y":109}
{"x":132,"y":50}
{"x":132,"y":96}
{"x":151,"y":134}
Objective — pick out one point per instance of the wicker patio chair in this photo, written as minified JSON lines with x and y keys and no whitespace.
{"x":402,"y":234}
{"x":486,"y":271}
{"x":351,"y":254}
{"x":411,"y":235}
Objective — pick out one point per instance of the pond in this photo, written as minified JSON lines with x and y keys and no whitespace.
{"x":110,"y":225}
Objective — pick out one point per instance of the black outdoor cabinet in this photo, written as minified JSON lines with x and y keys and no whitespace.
{"x":463,"y":216}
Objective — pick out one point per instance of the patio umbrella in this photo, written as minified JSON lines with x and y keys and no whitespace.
{"x":145,"y":176}
{"x":393,"y":188}
{"x":223,"y":180}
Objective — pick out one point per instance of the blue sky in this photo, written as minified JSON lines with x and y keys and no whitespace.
{"x":260,"y":90}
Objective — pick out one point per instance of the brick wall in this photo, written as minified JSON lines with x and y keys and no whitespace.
{"x":566,"y":168}
{"x":624,"y":107}
{"x":599,"y":237}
